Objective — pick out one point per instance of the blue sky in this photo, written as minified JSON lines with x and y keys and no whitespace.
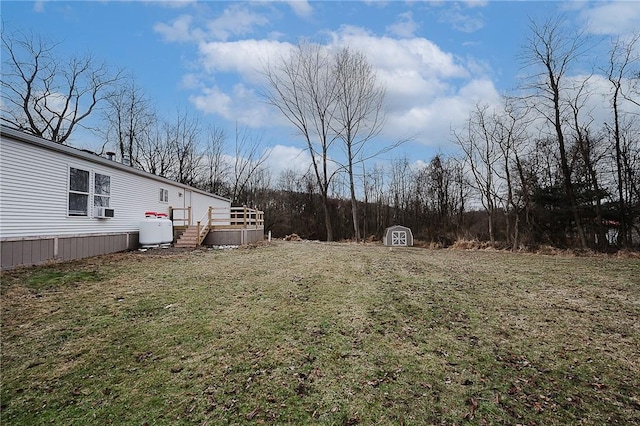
{"x":436,"y":58}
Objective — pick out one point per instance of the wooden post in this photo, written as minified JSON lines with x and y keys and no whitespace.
{"x":210,"y":208}
{"x":198,"y":236}
{"x":189,"y":215}
{"x":245,"y":216}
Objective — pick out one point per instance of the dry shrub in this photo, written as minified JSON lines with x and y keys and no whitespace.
{"x":293,"y":237}
{"x":467,"y":244}
{"x":628,"y":254}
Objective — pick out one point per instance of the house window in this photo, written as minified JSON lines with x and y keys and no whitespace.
{"x":101,"y":190}
{"x":78,"y":192}
{"x":164,"y":195}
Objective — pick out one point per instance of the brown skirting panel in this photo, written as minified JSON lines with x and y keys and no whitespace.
{"x":233,"y":237}
{"x":28,"y":252}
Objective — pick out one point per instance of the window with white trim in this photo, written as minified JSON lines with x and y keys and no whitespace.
{"x":78,"y":192}
{"x":101,"y":190}
{"x":164,"y":195}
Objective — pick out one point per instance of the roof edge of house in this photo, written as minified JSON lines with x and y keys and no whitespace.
{"x":92,"y":157}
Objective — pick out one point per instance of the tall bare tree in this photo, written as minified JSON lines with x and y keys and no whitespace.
{"x":483,"y":156}
{"x":622,"y":58}
{"x":44,"y":95}
{"x":216,"y":168}
{"x":551,"y":52}
{"x":156,"y":152}
{"x":248,"y":164}
{"x":359,"y":116}
{"x":130,"y":119}
{"x":184,"y":140}
{"x":302,"y":86}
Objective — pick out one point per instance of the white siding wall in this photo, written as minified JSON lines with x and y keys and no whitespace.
{"x":34,"y":194}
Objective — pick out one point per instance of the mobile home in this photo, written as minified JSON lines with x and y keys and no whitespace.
{"x":60,"y":203}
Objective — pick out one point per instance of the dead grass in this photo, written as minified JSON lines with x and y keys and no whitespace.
{"x":307,"y":332}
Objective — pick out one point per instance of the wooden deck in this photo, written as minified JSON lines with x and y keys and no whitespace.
{"x":215,"y":219}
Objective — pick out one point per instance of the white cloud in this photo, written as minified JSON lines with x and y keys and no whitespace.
{"x":614,"y":17}
{"x":476,"y":3}
{"x":301,"y":8}
{"x":236,"y":20}
{"x":245,"y":57}
{"x":178,"y":30}
{"x":282,"y":158}
{"x":175,"y":4}
{"x":212,"y":100}
{"x":428,"y":90}
{"x":430,"y":121}
{"x":462,"y":21}
{"x":404,"y":26}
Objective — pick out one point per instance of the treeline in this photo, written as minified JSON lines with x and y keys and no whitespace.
{"x":538,"y":168}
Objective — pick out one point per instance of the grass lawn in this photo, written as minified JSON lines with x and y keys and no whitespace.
{"x":319,"y":333}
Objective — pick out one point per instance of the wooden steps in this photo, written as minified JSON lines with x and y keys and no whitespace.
{"x":190,"y":237}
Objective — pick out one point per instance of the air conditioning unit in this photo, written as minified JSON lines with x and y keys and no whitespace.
{"x":104,"y":213}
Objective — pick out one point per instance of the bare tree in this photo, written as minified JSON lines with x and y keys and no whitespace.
{"x":184,"y":141}
{"x":359,"y":116}
{"x":130,"y":119}
{"x":247,"y":164}
{"x":42,"y":95}
{"x":156,"y":151}
{"x":622,"y":57}
{"x":215,"y":169}
{"x":482,"y":155}
{"x":552,"y":51}
{"x":303,"y":88}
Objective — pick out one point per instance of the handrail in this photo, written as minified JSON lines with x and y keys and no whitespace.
{"x":185,"y":221}
{"x":202,"y":232}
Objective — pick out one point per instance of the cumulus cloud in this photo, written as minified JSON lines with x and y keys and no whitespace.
{"x":246,"y":57}
{"x":236,"y":20}
{"x":613,"y":17}
{"x":240,"y":105}
{"x":301,"y":8}
{"x":177,"y":30}
{"x":430,"y":121}
{"x":404,"y":26}
{"x":427,"y":88}
{"x":464,"y":22}
{"x":283,"y":157}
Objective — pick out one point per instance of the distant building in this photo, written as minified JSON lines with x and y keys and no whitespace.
{"x":398,"y":236}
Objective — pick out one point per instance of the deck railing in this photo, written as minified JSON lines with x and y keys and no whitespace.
{"x":236,"y":218}
{"x":183,"y":221}
{"x":220,"y":218}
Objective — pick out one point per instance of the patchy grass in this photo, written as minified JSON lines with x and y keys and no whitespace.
{"x":304,"y":333}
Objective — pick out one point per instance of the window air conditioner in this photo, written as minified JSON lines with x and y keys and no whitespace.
{"x":104,"y":213}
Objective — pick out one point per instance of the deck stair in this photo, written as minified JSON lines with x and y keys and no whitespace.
{"x":192,"y":237}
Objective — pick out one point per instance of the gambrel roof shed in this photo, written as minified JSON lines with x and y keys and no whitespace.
{"x":398,"y":236}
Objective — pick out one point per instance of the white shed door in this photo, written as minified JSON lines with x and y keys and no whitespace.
{"x":398,"y":238}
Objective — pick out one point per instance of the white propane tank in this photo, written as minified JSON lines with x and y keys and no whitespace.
{"x":150,"y":230}
{"x":166,"y":228}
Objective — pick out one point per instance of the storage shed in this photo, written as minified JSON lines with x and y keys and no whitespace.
{"x":398,"y":236}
